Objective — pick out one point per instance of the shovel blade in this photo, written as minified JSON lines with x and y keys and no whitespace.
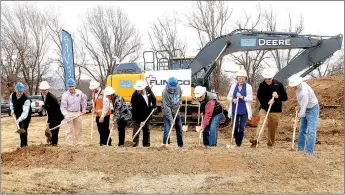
{"x":197,"y":128}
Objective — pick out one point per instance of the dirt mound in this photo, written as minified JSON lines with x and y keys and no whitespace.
{"x":156,"y":170}
{"x":330,"y":93}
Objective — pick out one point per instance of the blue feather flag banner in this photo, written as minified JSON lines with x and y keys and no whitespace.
{"x":67,"y":56}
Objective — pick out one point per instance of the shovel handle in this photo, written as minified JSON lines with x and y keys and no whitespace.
{"x":294,"y":131}
{"x":234,"y":122}
{"x":65,"y":122}
{"x":142,"y":126}
{"x":263,"y":124}
{"x":172,"y":125}
{"x":15,"y":120}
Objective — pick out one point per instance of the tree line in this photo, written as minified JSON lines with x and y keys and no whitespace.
{"x":107,"y":36}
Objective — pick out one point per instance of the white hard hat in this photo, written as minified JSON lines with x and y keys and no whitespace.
{"x":268,"y":73}
{"x":109,"y":90}
{"x":139,"y":85}
{"x":241,"y":73}
{"x":199,"y":91}
{"x":295,"y":80}
{"x":44,"y":85}
{"x":94,"y":85}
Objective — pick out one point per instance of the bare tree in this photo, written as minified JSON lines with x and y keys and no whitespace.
{"x":26,"y":29}
{"x":209,"y":18}
{"x":108,"y":34}
{"x":283,"y":57}
{"x":251,"y":61}
{"x":164,"y":35}
{"x":224,"y":85}
{"x":55,"y":31}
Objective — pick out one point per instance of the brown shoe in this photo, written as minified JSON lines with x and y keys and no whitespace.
{"x":253,"y":141}
{"x":21,"y":131}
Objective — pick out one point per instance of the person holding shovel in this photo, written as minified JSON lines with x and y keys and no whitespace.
{"x":308,"y":114}
{"x":73,"y":104}
{"x":54,"y":113}
{"x":20,"y":106}
{"x":211,"y":110}
{"x":121,"y":112}
{"x":270,"y":92}
{"x":102,"y":111}
{"x":243,"y":92}
{"x":171,"y":102}
{"x":143,"y":102}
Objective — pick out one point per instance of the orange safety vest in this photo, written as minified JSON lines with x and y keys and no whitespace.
{"x":99,"y":104}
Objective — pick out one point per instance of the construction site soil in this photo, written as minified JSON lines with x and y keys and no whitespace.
{"x":91,"y":168}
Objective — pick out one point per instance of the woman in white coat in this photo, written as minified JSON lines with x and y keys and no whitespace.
{"x":244,"y":92}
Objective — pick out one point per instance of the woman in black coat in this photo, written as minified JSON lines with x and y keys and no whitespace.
{"x":53,"y":109}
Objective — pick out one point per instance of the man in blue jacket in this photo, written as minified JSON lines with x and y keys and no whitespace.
{"x":171,"y":101}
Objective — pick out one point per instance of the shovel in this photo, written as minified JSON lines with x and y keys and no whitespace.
{"x":93,"y":106}
{"x":172,"y":125}
{"x":233,"y":125}
{"x":294,"y":131}
{"x":111,"y":130}
{"x":185,"y":126}
{"x":65,"y":122}
{"x":19,"y":130}
{"x":263,"y":124}
{"x":198,"y":129}
{"x":141,"y":126}
{"x":47,"y":133}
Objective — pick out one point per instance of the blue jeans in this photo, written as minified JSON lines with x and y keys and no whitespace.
{"x":307,"y":132}
{"x":210,"y":134}
{"x":178,"y":127}
{"x":240,"y":125}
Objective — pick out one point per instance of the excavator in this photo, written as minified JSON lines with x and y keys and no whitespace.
{"x":316,"y":50}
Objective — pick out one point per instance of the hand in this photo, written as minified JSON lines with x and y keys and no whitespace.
{"x":142,"y":124}
{"x":12,"y":113}
{"x":101,"y":120}
{"x":234,"y":101}
{"x":171,"y":122}
{"x":92,"y":111}
{"x":180,"y":104}
{"x":275,"y":95}
{"x":239,"y":95}
{"x":17,"y":121}
{"x":270,"y":102}
{"x":296,"y":108}
{"x":294,"y":124}
{"x":201,"y":129}
{"x":84,"y":111}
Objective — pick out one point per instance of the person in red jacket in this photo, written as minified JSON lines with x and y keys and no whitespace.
{"x":212,"y":111}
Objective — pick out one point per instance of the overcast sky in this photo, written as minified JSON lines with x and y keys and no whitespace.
{"x":320,"y":18}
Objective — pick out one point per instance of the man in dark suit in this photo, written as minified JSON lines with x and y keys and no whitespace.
{"x":143,"y":101}
{"x":54,"y":113}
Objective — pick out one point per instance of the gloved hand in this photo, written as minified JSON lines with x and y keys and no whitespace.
{"x":234,"y":101}
{"x":142,"y":124}
{"x":239,"y":95}
{"x":271,"y":102}
{"x":172,"y":122}
{"x":275,"y":95}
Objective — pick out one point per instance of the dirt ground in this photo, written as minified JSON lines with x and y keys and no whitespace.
{"x":194,"y":169}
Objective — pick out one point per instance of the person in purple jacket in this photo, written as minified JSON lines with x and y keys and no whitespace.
{"x":244,"y":92}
